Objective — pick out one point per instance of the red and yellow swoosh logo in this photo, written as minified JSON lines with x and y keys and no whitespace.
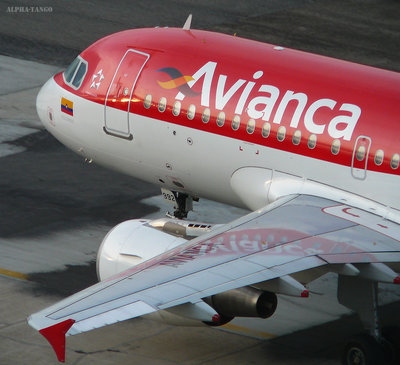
{"x":178,"y":81}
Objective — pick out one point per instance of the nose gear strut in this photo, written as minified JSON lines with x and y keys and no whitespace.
{"x":183,"y":202}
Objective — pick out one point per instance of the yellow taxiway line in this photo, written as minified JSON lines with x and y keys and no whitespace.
{"x":13,"y":274}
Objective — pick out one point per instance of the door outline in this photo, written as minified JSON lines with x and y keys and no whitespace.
{"x":119,"y":133}
{"x":359,"y":168}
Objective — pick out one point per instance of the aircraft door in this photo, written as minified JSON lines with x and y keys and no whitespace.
{"x":359,"y":159}
{"x":120,"y":92}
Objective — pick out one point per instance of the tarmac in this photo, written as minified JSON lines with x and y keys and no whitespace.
{"x":55,"y":208}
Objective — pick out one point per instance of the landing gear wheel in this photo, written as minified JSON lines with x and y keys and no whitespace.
{"x":363,"y":350}
{"x":392,"y":344}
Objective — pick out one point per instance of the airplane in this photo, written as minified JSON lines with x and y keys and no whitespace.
{"x":308,"y":143}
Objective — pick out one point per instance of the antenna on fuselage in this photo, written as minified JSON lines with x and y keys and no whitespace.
{"x":188,"y":22}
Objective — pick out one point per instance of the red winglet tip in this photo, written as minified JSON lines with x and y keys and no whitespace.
{"x":56,"y":336}
{"x":396,"y":280}
{"x":305,"y":294}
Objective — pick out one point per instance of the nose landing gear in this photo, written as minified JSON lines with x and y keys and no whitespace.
{"x":183,"y":202}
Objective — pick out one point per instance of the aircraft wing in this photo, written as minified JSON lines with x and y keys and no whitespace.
{"x":293,"y":234}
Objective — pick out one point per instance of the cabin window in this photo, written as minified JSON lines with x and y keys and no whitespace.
{"x":162,"y":104}
{"x":312,"y":141}
{"x":281,"y":133}
{"x":296,"y":137}
{"x":147,"y":101}
{"x":335,"y":148}
{"x":360,"y":153}
{"x":191,"y":111}
{"x":394,"y":162}
{"x":251,"y":126}
{"x":176,"y":109}
{"x":379,"y":157}
{"x":266,"y":129}
{"x":75,"y":73}
{"x":206,"y":115}
{"x":220,"y":119}
{"x":235,"y":122}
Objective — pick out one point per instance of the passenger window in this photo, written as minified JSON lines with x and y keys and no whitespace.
{"x":360,"y":154}
{"x":312,"y":141}
{"x":191,"y":111}
{"x":251,"y":126}
{"x":266,"y":129}
{"x":379,"y":157}
{"x":221,"y":119}
{"x":206,"y":115}
{"x":296,"y":137}
{"x":162,"y":104}
{"x":335,"y":148}
{"x":147,"y":101}
{"x":176,"y":109}
{"x":394,"y":162}
{"x":235,"y":122}
{"x":281,"y":133}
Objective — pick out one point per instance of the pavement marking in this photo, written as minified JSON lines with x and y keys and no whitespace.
{"x":13,"y":274}
{"x":247,"y":331}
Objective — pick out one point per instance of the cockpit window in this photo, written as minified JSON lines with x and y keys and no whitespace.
{"x":75,"y":73}
{"x":79,"y":75}
{"x":70,"y":71}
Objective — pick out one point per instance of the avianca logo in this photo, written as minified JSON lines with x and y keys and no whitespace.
{"x":264,"y":103}
{"x":277,"y":241}
{"x":177,"y":81}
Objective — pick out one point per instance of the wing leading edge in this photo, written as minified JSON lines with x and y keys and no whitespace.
{"x":291,"y":235}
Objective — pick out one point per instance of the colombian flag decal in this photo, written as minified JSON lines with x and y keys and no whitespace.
{"x":67,"y":107}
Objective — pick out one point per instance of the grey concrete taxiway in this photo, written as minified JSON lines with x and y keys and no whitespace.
{"x":55,"y":208}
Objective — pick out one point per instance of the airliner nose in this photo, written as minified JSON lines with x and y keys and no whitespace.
{"x":44,"y":102}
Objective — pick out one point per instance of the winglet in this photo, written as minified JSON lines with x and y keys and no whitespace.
{"x":188,"y":22}
{"x":56,"y":337}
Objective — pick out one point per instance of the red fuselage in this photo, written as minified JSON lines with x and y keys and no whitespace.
{"x":293,"y":81}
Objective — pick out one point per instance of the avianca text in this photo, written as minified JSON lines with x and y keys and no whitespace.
{"x":259,"y":101}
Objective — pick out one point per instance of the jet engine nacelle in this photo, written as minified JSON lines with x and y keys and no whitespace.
{"x":244,"y":302}
{"x":130,"y":243}
{"x":137,"y":240}
{"x":241,"y":302}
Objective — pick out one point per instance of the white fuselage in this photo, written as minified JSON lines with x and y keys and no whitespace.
{"x":205,"y":164}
